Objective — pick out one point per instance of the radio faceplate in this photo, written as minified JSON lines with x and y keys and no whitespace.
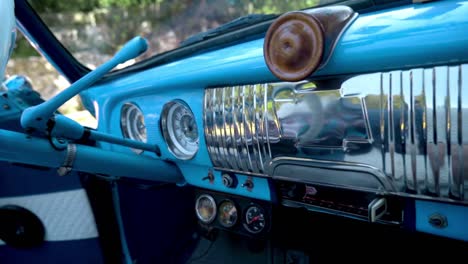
{"x":362,"y":205}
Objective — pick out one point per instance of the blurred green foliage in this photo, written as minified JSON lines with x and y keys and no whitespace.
{"x":247,"y":6}
{"x":23,"y":49}
{"x":58,"y":6}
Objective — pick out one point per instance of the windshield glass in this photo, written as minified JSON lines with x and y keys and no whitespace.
{"x":93,"y":30}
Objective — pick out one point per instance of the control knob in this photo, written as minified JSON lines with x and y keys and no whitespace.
{"x":228,"y":180}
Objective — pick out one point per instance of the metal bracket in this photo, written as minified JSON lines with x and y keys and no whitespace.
{"x":377,"y":208}
{"x":68,"y":162}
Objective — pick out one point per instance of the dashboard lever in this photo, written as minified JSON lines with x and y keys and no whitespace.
{"x":42,"y":117}
{"x":248,"y":184}
{"x":209,"y":177}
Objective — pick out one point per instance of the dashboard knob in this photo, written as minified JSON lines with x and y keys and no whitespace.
{"x":228,"y":180}
{"x":437,"y":220}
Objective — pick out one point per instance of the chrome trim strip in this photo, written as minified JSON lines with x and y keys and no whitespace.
{"x":385,"y":185}
{"x":224,"y":132}
{"x":265,"y":119}
{"x":243,"y":173}
{"x":244,"y":123}
{"x":251,"y":120}
{"x":233,"y":126}
{"x":207,"y":121}
{"x":217,"y":141}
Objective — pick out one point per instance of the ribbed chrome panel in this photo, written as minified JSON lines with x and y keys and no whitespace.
{"x":402,"y":131}
{"x":237,"y":130}
{"x":425,"y":130}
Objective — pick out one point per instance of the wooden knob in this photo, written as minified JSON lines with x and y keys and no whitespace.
{"x":294,"y":46}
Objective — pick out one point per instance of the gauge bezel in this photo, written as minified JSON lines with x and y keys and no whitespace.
{"x":246,"y":226}
{"x":168,"y":133}
{"x":215,"y":207}
{"x":125,"y":128}
{"x":219,"y":215}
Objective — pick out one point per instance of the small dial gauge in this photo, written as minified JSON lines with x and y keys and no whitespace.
{"x":205,"y":208}
{"x":132,"y":123}
{"x":254,"y":219}
{"x":180,"y":130}
{"x":227,"y":214}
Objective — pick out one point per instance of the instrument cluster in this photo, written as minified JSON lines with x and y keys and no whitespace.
{"x":235,"y":214}
{"x":177,"y":123}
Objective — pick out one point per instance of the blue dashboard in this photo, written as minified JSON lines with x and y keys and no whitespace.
{"x":391,"y":76}
{"x":403,"y":38}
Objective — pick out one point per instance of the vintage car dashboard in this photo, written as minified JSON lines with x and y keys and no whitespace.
{"x":378,"y":127}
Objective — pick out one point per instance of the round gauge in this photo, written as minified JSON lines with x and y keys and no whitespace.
{"x":254,"y":219}
{"x":205,"y":208}
{"x":227,"y":214}
{"x":180,"y":130}
{"x":132,"y":123}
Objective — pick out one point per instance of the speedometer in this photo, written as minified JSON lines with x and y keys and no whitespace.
{"x":132,"y":123}
{"x":180,"y":130}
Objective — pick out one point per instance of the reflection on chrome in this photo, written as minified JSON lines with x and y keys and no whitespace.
{"x":408,"y":129}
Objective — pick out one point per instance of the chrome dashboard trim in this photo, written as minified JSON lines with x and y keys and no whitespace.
{"x":244,"y":173}
{"x":381,"y":183}
{"x":404,"y":129}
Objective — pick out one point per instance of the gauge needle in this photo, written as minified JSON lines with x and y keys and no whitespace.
{"x":254,"y":219}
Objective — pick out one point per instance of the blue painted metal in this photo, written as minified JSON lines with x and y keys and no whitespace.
{"x":10,"y":107}
{"x":416,"y":35}
{"x":17,"y":147}
{"x":38,"y":116}
{"x":18,"y":96}
{"x":64,"y":127}
{"x":456,"y":218}
{"x":195,"y":175}
{"x":95,"y":135}
{"x":70,"y":129}
{"x":21,"y":89}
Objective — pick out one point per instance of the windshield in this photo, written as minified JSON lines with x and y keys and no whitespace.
{"x":93,"y":30}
